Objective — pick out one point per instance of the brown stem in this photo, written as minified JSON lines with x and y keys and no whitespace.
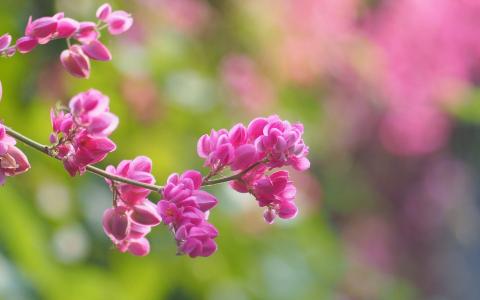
{"x":92,"y":169}
{"x":233,"y":177}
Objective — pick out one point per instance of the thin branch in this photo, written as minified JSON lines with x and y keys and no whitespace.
{"x":233,"y":177}
{"x":92,"y":169}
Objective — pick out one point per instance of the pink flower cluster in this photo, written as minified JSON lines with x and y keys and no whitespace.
{"x":75,"y":59}
{"x":265,"y":144}
{"x":80,"y":136}
{"x":185,"y":208}
{"x":133,"y":215}
{"x":12,"y":160}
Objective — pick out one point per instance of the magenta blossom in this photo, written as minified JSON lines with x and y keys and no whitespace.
{"x":81,"y":136}
{"x":266,"y":144}
{"x":75,"y":62}
{"x":12,"y":160}
{"x":185,"y":209}
{"x":133,"y":215}
{"x":82,"y":38}
{"x":128,"y":226}
{"x":90,"y":109}
{"x":280,"y":142}
{"x":138,"y":169}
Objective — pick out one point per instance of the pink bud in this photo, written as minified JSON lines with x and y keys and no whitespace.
{"x":245,"y":156}
{"x":209,"y":247}
{"x":87,"y":32}
{"x":195,"y":176}
{"x":5,"y":41}
{"x":76,"y":62}
{"x":104,"y":11}
{"x":96,"y":50}
{"x":140,"y":247}
{"x":255,"y":128}
{"x":53,"y":138}
{"x":203,"y":146}
{"x":224,"y":154}
{"x":205,"y":201}
{"x":43,"y":28}
{"x":301,"y":164}
{"x":145,"y":215}
{"x":15,"y":162}
{"x":287,"y":210}
{"x":67,"y":27}
{"x":119,"y":22}
{"x":269,"y":215}
{"x":26,"y":44}
{"x":238,"y":135}
{"x":116,"y":222}
{"x":103,"y":125}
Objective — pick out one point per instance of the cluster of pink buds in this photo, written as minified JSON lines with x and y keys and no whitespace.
{"x":265,"y":144}
{"x":185,"y":209}
{"x":12,"y":160}
{"x":132,"y":215}
{"x":80,"y":134}
{"x":76,"y":59}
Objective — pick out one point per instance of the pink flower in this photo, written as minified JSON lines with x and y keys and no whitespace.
{"x":67,"y":27}
{"x":90,"y":109}
{"x":104,"y":11}
{"x":26,"y":44}
{"x":96,"y":50}
{"x":276,"y":192}
{"x":185,"y":209}
{"x":138,"y":169}
{"x":86,"y":150}
{"x":12,"y":160}
{"x":197,"y":240}
{"x":133,"y":215}
{"x":5,"y":41}
{"x":87,"y":32}
{"x":119,"y":22}
{"x":216,"y":149}
{"x":61,"y":122}
{"x":80,"y":137}
{"x":75,"y":61}
{"x":119,"y":224}
{"x":41,"y":29}
{"x":280,"y":142}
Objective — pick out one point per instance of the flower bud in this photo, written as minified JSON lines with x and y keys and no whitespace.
{"x":119,"y":22}
{"x":5,"y":41}
{"x":26,"y":44}
{"x":42,"y":28}
{"x":76,"y":62}
{"x":104,"y":11}
{"x":87,"y":32}
{"x":96,"y":50}
{"x":145,"y":215}
{"x":67,"y":27}
{"x":140,"y":247}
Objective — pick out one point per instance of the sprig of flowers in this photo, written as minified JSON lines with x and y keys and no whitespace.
{"x":80,"y":138}
{"x":82,"y":38}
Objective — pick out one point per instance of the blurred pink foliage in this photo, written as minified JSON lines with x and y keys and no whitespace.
{"x":429,"y":53}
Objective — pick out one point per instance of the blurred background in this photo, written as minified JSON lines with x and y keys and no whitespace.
{"x":388,"y":90}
